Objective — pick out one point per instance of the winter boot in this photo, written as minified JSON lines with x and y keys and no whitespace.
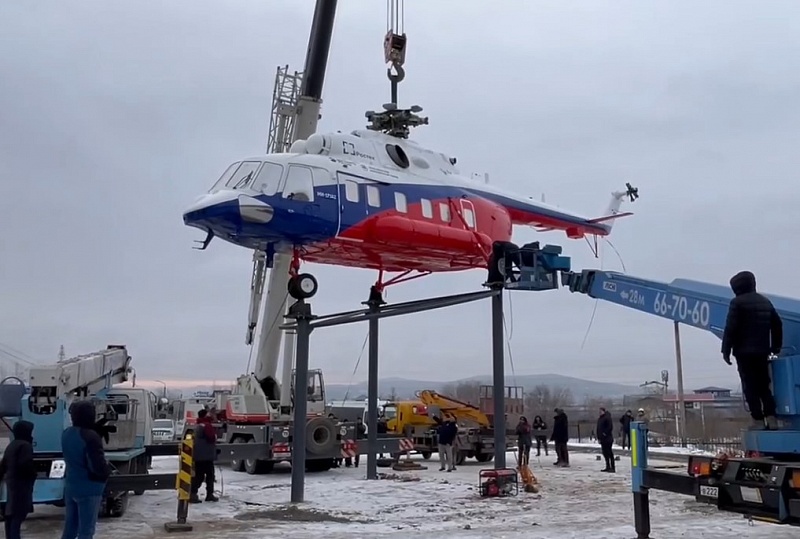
{"x":757,"y":424}
{"x":608,"y":466}
{"x":772,"y":422}
{"x":613,"y":468}
{"x":194,"y":498}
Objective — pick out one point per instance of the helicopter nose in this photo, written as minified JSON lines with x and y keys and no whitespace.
{"x":209,"y":208}
{"x":253,"y":210}
{"x":226,"y":210}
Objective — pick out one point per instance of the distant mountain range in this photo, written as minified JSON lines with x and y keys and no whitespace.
{"x":405,"y":388}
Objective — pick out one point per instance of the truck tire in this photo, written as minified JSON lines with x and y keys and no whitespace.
{"x":236,"y":464}
{"x":484,"y":457}
{"x":320,"y":436}
{"x":461,"y":456}
{"x":426,"y":454}
{"x":257,"y":467}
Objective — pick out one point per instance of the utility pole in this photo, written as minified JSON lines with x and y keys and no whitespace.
{"x":681,"y":400}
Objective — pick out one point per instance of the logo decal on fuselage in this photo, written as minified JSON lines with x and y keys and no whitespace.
{"x":348,"y":148}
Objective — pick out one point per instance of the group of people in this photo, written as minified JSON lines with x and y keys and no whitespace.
{"x":85,"y":475}
{"x":527,"y":433}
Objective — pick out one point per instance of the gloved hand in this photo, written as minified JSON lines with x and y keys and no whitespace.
{"x":104,"y":430}
{"x":727,"y":359}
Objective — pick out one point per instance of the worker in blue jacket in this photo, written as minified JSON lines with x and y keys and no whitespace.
{"x":86,"y":472}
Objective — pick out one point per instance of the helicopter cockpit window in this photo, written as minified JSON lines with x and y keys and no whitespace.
{"x":244,"y":175}
{"x":225,"y":177}
{"x":299,"y":184}
{"x":269,"y":178}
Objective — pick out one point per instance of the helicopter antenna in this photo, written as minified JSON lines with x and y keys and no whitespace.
{"x":394,"y":121}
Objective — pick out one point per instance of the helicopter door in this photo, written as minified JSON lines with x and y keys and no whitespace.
{"x":315,"y":205}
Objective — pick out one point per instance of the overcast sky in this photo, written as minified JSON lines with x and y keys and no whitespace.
{"x":115,"y":116}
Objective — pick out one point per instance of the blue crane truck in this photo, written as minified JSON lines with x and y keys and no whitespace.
{"x":765,"y":483}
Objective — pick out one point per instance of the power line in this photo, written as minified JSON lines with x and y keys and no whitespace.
{"x":4,"y":349}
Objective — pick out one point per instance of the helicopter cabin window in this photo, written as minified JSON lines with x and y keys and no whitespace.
{"x":373,"y":196}
{"x":244,"y":175}
{"x":444,"y":212}
{"x":400,"y":202}
{"x":427,"y":208}
{"x":469,"y":218}
{"x":269,"y":178}
{"x":351,"y":191}
{"x":299,"y":184}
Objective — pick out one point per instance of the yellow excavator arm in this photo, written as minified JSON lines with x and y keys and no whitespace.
{"x":462,"y":412}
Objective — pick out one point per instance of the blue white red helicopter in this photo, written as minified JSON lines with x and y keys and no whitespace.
{"x":374,"y":199}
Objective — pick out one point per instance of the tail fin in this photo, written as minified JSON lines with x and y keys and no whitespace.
{"x":612,"y":212}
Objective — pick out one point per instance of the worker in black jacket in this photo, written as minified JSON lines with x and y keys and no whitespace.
{"x":446,"y":433}
{"x":560,"y":437}
{"x":19,"y":473}
{"x":753,"y":331}
{"x":605,"y":435}
{"x":626,"y":421}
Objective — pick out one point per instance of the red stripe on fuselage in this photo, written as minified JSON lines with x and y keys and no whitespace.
{"x":396,"y":241}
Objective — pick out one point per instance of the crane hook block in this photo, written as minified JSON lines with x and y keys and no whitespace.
{"x":394,"y":48}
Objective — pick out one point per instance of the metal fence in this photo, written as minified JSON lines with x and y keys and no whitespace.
{"x":717,"y":431}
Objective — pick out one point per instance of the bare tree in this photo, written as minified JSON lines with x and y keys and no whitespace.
{"x":468,"y":392}
{"x":595,"y":403}
{"x":542,"y":399}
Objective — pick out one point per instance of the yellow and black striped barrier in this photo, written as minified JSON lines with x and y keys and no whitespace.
{"x":183,"y":484}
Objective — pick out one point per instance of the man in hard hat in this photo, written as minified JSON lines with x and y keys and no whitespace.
{"x":753,"y":332}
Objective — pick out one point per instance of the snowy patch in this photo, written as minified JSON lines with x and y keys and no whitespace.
{"x":579,"y":502}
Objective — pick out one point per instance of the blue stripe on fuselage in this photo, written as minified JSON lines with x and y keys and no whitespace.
{"x":300,"y":223}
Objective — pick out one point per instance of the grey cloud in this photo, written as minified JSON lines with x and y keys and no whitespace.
{"x":115,"y":117}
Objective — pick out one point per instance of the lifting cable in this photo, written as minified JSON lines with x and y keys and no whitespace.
{"x":355,"y":369}
{"x":360,"y":355}
{"x":596,"y":301}
{"x":394,"y":44}
{"x":510,"y":333}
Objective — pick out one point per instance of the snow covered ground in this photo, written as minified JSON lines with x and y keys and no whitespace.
{"x":653,"y":451}
{"x":578,"y":502}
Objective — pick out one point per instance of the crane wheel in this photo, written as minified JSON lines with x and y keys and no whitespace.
{"x":321,"y":436}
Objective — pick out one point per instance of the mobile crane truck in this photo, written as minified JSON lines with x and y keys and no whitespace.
{"x":127,"y":413}
{"x":763,"y":485}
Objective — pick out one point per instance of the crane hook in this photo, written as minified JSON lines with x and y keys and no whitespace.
{"x":398,"y":75}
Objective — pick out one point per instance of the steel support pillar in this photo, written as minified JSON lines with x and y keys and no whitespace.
{"x":499,"y":382}
{"x":641,"y":495}
{"x":301,"y":313}
{"x":372,"y":392}
{"x":681,"y":400}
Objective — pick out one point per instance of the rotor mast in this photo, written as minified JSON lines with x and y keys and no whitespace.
{"x":394,"y":121}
